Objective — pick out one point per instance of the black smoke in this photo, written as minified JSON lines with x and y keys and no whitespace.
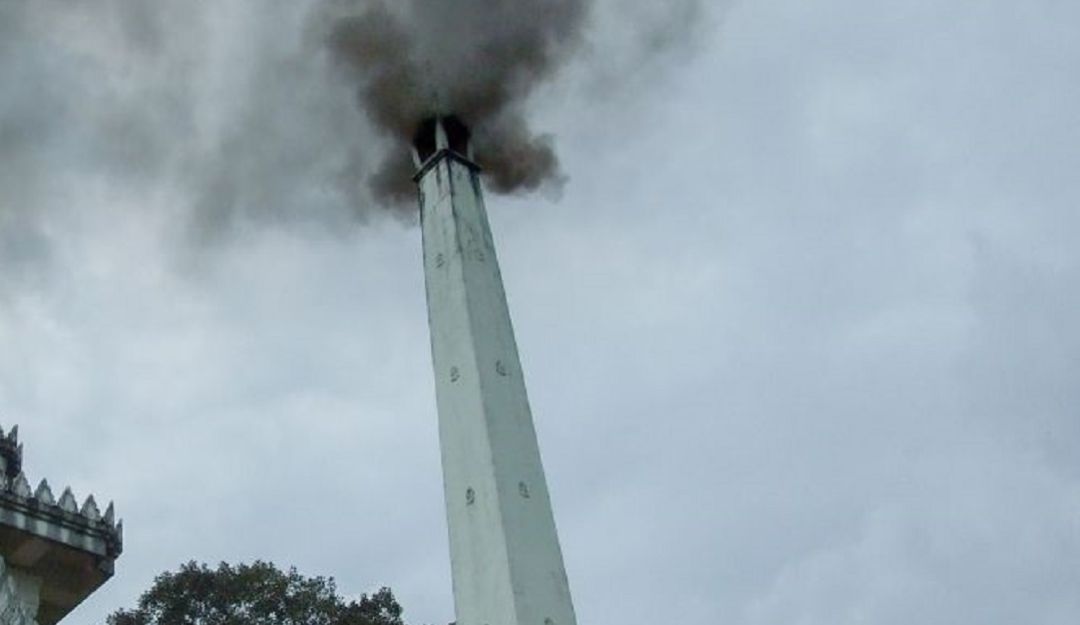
{"x":476,"y":59}
{"x":216,"y":118}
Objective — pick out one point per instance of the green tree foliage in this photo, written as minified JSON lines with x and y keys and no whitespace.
{"x":253,"y":594}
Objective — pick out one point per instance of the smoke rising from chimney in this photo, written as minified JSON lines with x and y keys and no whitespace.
{"x":477,"y":59}
{"x":219,"y":118}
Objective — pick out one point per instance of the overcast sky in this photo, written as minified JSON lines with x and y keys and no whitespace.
{"x":799,"y":331}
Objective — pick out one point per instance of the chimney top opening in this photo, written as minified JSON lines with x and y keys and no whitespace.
{"x":424,"y":141}
{"x":457,"y":134}
{"x":454,"y":135}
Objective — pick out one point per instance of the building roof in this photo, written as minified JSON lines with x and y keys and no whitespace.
{"x":71,"y":547}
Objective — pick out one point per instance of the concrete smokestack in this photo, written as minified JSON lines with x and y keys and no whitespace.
{"x":506,"y":562}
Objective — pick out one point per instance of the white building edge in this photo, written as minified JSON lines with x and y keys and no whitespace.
{"x":53,"y":552}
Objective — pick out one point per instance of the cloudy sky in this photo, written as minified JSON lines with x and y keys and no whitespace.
{"x":799,"y":329}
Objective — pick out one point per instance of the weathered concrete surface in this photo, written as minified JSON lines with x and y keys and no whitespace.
{"x":19,"y":596}
{"x":506,"y":560}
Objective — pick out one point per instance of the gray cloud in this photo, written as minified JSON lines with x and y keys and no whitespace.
{"x":234,"y":113}
{"x":798,"y":335}
{"x":239,"y":113}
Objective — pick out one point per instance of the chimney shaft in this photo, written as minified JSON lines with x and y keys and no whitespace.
{"x":506,"y":561}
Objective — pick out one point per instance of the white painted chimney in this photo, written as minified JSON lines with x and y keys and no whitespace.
{"x":506,"y":561}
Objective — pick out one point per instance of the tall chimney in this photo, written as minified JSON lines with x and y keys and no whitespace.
{"x":506,"y":562}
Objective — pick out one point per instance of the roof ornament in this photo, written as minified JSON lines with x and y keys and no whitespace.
{"x":10,"y":453}
{"x":21,"y":487}
{"x":44,"y":493}
{"x":67,"y":502}
{"x":90,"y":509}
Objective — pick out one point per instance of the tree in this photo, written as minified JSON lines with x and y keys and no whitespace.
{"x":255,"y":594}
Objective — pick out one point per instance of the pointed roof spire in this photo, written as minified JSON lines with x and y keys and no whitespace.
{"x":44,"y":493}
{"x":90,"y":509}
{"x":68,"y":502}
{"x":110,"y":515}
{"x":21,"y":487}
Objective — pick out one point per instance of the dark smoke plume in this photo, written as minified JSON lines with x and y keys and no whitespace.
{"x":477,"y":59}
{"x":213,"y":119}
